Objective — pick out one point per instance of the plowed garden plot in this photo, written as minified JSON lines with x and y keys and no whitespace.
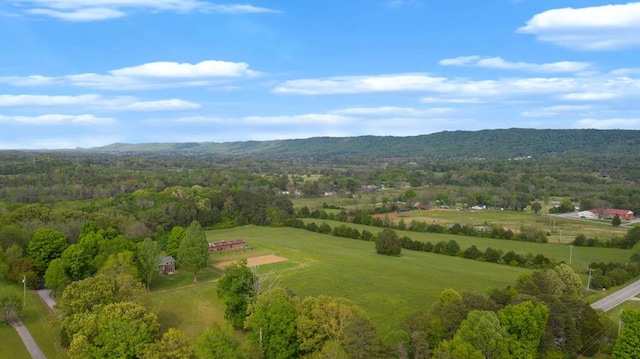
{"x":255,"y":261}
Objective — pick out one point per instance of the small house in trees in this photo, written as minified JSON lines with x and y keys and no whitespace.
{"x":167,"y":265}
{"x":227,"y":245}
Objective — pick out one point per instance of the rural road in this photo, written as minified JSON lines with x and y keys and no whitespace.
{"x":611,"y":301}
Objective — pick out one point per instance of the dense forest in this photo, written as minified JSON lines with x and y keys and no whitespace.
{"x":90,"y":225}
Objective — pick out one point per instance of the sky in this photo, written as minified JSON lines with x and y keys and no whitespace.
{"x":88,"y":73}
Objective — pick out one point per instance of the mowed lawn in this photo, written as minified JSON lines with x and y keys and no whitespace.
{"x":388,"y":288}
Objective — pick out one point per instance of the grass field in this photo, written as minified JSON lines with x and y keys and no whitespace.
{"x":388,"y":288}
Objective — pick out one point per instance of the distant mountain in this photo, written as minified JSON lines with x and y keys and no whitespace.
{"x":490,"y":144}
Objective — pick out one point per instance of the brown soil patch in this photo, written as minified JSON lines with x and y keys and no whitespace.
{"x":255,"y":261}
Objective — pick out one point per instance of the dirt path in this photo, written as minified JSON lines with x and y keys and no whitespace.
{"x":255,"y":261}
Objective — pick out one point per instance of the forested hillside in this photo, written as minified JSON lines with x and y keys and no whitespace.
{"x":492,"y":144}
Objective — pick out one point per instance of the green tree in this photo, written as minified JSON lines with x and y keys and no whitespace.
{"x":147,"y":257}
{"x":173,"y":344}
{"x":235,"y":288}
{"x":457,"y":349}
{"x":536,"y":207}
{"x":218,"y":342}
{"x":616,"y":221}
{"x":117,"y":330}
{"x":77,"y":262}
{"x":571,"y":279}
{"x":272,"y":324}
{"x":483,"y":331}
{"x":173,"y":242}
{"x":120,"y":263}
{"x":9,"y":304}
{"x":388,"y":243}
{"x":628,"y":344}
{"x":55,"y":277}
{"x":46,"y":245}
{"x":193,"y":253}
{"x":525,"y":324}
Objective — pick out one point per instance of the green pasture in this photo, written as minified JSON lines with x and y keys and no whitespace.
{"x":388,"y":288}
{"x":42,"y":325}
{"x":581,"y":257}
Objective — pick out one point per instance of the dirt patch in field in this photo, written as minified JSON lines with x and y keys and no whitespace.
{"x":255,"y":261}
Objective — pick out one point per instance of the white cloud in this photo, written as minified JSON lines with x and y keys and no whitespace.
{"x":121,"y":103}
{"x":57,"y":119}
{"x":607,"y":27}
{"x":609,"y":123}
{"x":153,"y":75}
{"x":459,"y":90}
{"x":499,"y":63}
{"x":393,"y":111}
{"x":95,"y":10}
{"x":360,"y":84}
{"x":551,"y":111}
{"x":80,"y":15}
{"x":305,"y":119}
{"x":165,"y":69}
{"x":33,"y":80}
{"x":590,"y":96}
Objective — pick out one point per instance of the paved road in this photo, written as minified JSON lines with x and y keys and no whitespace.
{"x":611,"y":301}
{"x":26,"y":337}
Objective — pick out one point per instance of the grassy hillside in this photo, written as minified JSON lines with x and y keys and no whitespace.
{"x":503,"y":143}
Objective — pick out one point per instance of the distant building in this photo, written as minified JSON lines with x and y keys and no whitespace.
{"x":227,"y":245}
{"x":609,"y":213}
{"x":166,"y":265}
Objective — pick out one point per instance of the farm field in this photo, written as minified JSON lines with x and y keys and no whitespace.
{"x":388,"y":288}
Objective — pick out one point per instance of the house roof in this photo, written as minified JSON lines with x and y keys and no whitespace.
{"x":166,"y":260}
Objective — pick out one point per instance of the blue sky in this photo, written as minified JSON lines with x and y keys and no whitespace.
{"x":87,"y":73}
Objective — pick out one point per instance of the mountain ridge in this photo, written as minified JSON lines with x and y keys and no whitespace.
{"x":491,"y":144}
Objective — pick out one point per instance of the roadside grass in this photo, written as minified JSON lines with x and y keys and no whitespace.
{"x":388,"y":288}
{"x":44,"y":328}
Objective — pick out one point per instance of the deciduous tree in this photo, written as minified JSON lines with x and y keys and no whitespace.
{"x":147,"y":257}
{"x":193,"y":253}
{"x":236,"y":290}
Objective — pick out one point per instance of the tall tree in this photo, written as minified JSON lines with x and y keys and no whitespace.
{"x":193,"y":253}
{"x":525,"y":325}
{"x":55,"y":277}
{"x":388,"y":242}
{"x":45,"y":246}
{"x":147,"y":258}
{"x":272,"y":325}
{"x":173,"y":242}
{"x":236,"y":288}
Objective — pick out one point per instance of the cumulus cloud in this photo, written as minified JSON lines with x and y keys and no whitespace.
{"x":609,"y":123}
{"x":468,"y":91}
{"x":606,"y":27}
{"x":499,"y":63}
{"x":96,"y":10}
{"x":551,"y":111}
{"x":57,"y":119}
{"x":94,"y":101}
{"x":393,"y":111}
{"x":153,"y":75}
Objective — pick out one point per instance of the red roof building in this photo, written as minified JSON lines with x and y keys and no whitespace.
{"x":609,"y":213}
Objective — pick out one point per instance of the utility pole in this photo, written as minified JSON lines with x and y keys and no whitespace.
{"x":24,"y":286}
{"x":589,"y":279}
{"x":570,"y":254}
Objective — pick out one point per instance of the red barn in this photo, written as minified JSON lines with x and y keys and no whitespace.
{"x":227,"y":245}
